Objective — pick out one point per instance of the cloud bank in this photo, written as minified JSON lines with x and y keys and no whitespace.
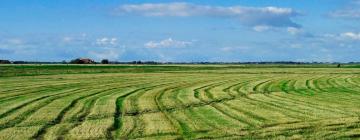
{"x":351,"y":11}
{"x":251,"y":16}
{"x":167,"y":43}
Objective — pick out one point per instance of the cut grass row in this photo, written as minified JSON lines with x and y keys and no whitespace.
{"x":182,"y":106}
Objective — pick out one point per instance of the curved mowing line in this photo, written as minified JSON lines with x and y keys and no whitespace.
{"x":207,"y":88}
{"x":289,"y":131}
{"x":84,"y":112}
{"x":119,"y":114}
{"x":256,"y":88}
{"x":72,"y":104}
{"x":317,"y":84}
{"x":262,"y":119}
{"x":233,"y":97}
{"x":309,"y":103}
{"x":6,"y":99}
{"x":27,"y":113}
{"x":283,"y":99}
{"x":309,"y":88}
{"x":351,"y":82}
{"x":182,"y":127}
{"x":60,"y":117}
{"x":197,"y":92}
{"x":12,"y":110}
{"x":118,"y":103}
{"x":272,"y":106}
{"x":43,"y":89}
{"x":239,"y":110}
{"x":173,"y":122}
{"x":346,"y":89}
{"x":32,"y":101}
{"x":163,"y":110}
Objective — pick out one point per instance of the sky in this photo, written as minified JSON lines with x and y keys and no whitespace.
{"x":181,"y":31}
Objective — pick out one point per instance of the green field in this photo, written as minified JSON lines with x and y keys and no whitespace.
{"x":179,"y":102}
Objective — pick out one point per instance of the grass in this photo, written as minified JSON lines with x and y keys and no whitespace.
{"x":179,"y":102}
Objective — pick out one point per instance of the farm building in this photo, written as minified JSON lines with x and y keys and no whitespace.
{"x":82,"y":61}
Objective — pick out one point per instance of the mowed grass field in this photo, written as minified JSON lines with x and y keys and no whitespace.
{"x":179,"y":102}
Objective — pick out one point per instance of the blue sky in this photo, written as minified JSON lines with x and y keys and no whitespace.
{"x":186,"y":31}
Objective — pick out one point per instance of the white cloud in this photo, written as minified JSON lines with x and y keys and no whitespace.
{"x":75,"y":39}
{"x":109,"y":53}
{"x":261,"y":28}
{"x":226,"y":49}
{"x":252,"y":16}
{"x":296,"y":46}
{"x":167,"y":43}
{"x":67,"y":39}
{"x":294,"y":31}
{"x":350,"y":35}
{"x":346,"y":13}
{"x":12,"y":41}
{"x":345,"y":36}
{"x":106,"y":41}
{"x":235,"y":49}
{"x":351,"y":11}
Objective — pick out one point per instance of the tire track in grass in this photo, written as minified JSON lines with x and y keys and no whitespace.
{"x":12,"y":110}
{"x":286,"y":101}
{"x":351,"y":92}
{"x":44,"y":89}
{"x":207,"y":88}
{"x":250,"y":124}
{"x":6,"y":99}
{"x":310,"y":90}
{"x":35,"y":100}
{"x":60,"y":116}
{"x":301,"y":128}
{"x":328,"y":96}
{"x":272,"y":106}
{"x":119,"y":114}
{"x":159,"y":109}
{"x":184,"y":130}
{"x":27,"y":113}
{"x":84,"y":111}
{"x":252,"y":102}
{"x":302,"y":102}
{"x":176,"y":124}
{"x":351,"y":82}
{"x":345,"y":89}
{"x":164,"y":111}
{"x":317,"y":84}
{"x":247,"y":113}
{"x":197,"y":92}
{"x":256,"y":88}
{"x":52,"y":97}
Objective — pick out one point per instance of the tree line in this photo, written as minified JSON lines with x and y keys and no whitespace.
{"x":106,"y":61}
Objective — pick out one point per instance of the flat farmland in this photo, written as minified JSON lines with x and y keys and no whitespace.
{"x":179,"y":102}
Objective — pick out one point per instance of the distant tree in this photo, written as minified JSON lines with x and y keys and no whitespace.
{"x":63,"y":62}
{"x":19,"y":62}
{"x":5,"y":62}
{"x":339,"y":65}
{"x":104,"y":61}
